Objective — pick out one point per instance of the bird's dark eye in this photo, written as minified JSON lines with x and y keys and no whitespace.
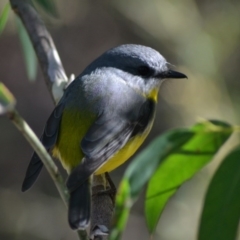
{"x":145,"y":71}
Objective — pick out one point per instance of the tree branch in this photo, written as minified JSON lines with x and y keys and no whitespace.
{"x":56,"y":80}
{"x":102,"y":202}
{"x":35,"y":143}
{"x":54,"y":73}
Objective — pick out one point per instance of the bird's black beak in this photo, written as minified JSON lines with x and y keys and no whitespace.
{"x":172,"y":74}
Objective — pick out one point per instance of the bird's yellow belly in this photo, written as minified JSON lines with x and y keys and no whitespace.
{"x":125,"y":153}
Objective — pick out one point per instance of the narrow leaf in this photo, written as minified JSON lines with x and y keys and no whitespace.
{"x":145,"y":164}
{"x":7,"y":101}
{"x":4,"y":17}
{"x":48,"y":6}
{"x":181,"y":165}
{"x":28,"y":51}
{"x":221,"y":212}
{"x":139,"y":172}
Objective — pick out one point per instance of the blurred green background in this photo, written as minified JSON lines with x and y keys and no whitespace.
{"x":201,"y":38}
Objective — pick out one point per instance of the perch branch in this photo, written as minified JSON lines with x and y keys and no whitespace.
{"x":35,"y":143}
{"x":50,"y":62}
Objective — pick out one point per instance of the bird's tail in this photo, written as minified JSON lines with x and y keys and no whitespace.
{"x":79,"y":212}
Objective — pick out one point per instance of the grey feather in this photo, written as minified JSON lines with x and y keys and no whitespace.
{"x":48,"y":140}
{"x":80,"y":207}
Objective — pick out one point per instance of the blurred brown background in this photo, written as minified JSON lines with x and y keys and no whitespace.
{"x":201,"y":38}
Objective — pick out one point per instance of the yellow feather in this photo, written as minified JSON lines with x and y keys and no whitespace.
{"x":153,"y":94}
{"x":74,"y":126}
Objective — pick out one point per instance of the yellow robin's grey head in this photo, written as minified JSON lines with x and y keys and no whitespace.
{"x":141,"y":67}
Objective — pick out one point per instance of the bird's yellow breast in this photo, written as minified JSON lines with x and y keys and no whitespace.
{"x":74,"y":126}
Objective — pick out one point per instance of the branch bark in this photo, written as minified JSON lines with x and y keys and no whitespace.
{"x":102,"y":202}
{"x":56,"y":80}
{"x":54,"y":73}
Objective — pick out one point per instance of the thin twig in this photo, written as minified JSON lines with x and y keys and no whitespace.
{"x":34,"y":141}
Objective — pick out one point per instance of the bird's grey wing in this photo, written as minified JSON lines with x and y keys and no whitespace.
{"x":106,"y":137}
{"x":48,"y":140}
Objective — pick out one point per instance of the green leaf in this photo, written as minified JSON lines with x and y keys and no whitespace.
{"x":28,"y":51}
{"x":123,"y":203}
{"x":4,"y":17}
{"x":155,"y":152}
{"x":179,"y":166}
{"x":7,"y":101}
{"x":221,"y":212}
{"x":139,"y":172}
{"x":48,"y":6}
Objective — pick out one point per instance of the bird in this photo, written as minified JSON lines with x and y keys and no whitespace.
{"x":103,"y":117}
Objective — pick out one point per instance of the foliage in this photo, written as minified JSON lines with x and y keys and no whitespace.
{"x":4,"y":17}
{"x":28,"y":51}
{"x":168,"y":162}
{"x":7,"y":101}
{"x":48,"y":6}
{"x":221,"y":212}
{"x":29,"y":55}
